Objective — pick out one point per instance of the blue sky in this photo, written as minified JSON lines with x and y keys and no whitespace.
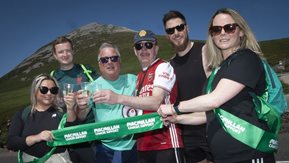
{"x":26,"y":25}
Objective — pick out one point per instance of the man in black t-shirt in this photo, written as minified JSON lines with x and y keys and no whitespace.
{"x":191,"y":72}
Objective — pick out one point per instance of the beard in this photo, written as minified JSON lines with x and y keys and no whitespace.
{"x":182,"y":46}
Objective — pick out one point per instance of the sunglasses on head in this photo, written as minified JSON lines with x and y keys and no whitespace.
{"x":228,"y":28}
{"x":139,"y":46}
{"x":44,"y":90}
{"x":171,"y":31}
{"x":104,"y":60}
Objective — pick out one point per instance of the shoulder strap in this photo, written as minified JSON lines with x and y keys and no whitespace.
{"x":268,"y":72}
{"x":86,"y":72}
{"x":25,"y":113}
{"x":52,"y":72}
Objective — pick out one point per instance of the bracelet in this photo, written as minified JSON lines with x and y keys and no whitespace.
{"x":176,"y":107}
{"x":177,"y":110}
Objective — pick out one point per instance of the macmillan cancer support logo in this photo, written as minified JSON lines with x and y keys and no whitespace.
{"x":76,"y":135}
{"x":141,"y":123}
{"x":106,"y":130}
{"x":237,"y":128}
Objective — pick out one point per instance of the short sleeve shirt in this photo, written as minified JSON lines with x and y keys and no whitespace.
{"x":124,"y":85}
{"x":244,"y":67}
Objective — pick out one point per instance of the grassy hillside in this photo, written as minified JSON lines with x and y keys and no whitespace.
{"x":274,"y":50}
{"x":14,"y":90}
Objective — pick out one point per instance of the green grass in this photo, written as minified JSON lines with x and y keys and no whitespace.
{"x":13,"y":100}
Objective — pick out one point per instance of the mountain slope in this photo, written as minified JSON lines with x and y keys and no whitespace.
{"x":14,"y":90}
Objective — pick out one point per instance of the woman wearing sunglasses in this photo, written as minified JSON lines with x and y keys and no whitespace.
{"x":235,"y":56}
{"x":31,"y":127}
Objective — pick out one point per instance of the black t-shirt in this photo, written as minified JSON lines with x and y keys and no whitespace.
{"x":190,"y":77}
{"x":244,"y":67}
{"x":32,"y":125}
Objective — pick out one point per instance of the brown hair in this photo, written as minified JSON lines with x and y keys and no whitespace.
{"x":61,"y":40}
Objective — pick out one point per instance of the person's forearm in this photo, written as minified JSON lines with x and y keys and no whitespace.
{"x":82,"y":113}
{"x":31,"y":140}
{"x":197,"y":118}
{"x":71,"y":115}
{"x":198,"y":104}
{"x":144,"y":103}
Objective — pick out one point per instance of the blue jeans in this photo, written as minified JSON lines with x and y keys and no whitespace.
{"x":106,"y":155}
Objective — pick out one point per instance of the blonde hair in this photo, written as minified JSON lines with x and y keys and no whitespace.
{"x":35,"y":87}
{"x":214,"y":55}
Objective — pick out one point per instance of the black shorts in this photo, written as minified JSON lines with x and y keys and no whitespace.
{"x":198,"y":151}
{"x":171,"y":155}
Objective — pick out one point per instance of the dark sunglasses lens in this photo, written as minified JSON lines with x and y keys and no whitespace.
{"x":180,"y":28}
{"x":43,"y":90}
{"x":170,"y":31}
{"x":138,"y":46}
{"x":54,"y":90}
{"x":215,"y":30}
{"x":114,"y":58}
{"x":104,"y":60}
{"x":149,"y":45}
{"x":230,"y":28}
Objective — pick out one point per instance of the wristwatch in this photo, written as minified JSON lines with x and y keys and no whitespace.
{"x":176,"y":107}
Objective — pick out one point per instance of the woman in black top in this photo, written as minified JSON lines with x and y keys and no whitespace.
{"x":31,"y":127}
{"x":232,"y":47}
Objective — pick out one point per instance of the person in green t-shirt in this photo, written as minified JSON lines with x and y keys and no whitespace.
{"x":75,"y":74}
{"x":122,"y":149}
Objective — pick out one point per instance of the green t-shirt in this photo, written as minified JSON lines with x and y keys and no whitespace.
{"x":125,"y":85}
{"x":74,"y":76}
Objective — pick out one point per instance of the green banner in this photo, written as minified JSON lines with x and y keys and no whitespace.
{"x":242,"y":130}
{"x":106,"y":129}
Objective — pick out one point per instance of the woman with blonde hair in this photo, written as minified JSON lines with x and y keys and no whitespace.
{"x":234,"y":53}
{"x":31,"y":127}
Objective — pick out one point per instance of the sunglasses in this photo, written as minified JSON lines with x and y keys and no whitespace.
{"x":104,"y":60}
{"x":228,"y":28}
{"x":44,"y":90}
{"x":180,"y":28}
{"x":139,"y":46}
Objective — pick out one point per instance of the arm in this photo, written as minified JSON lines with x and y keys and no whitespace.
{"x":70,"y":102}
{"x":42,"y":136}
{"x":205,"y":61}
{"x":163,"y":83}
{"x":196,"y":118}
{"x":15,"y":141}
{"x":82,"y":108}
{"x":225,"y":90}
{"x":146,"y":103}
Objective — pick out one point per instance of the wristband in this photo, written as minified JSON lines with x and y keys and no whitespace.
{"x":176,"y":107}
